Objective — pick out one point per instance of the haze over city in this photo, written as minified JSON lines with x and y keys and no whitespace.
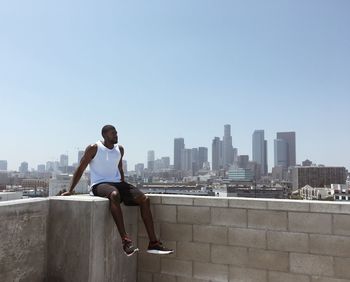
{"x":158,"y":70}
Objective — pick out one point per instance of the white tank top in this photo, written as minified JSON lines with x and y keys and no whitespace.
{"x":104,"y":166}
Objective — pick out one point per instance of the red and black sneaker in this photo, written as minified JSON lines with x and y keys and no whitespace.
{"x":128,"y":247}
{"x":158,"y":249}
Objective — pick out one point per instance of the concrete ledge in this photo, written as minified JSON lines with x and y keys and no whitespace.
{"x":71,"y":238}
{"x":84,"y":244}
{"x":23,"y":240}
{"x":245,"y":239}
{"x":74,"y":238}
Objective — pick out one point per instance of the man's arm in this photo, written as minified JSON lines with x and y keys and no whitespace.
{"x":89,"y":154}
{"x":120,"y":165}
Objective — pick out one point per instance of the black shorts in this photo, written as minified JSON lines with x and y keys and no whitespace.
{"x":128,"y":193}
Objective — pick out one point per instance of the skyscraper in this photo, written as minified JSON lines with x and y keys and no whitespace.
{"x":150,"y":160}
{"x":259,"y":146}
{"x":242,"y":161}
{"x":139,"y":169}
{"x":195,"y":160}
{"x":23,"y":167}
{"x":281,"y":153}
{"x":289,"y":138}
{"x":179,"y":145}
{"x":165,"y":162}
{"x":202,"y":156}
{"x":186,"y":160}
{"x":3,"y":165}
{"x":63,"y":160}
{"x":216,"y":152}
{"x":227,"y":151}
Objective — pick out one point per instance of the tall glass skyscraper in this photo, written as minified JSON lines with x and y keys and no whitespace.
{"x":179,"y":145}
{"x":281,"y":153}
{"x":259,"y":145}
{"x":216,"y":151}
{"x":227,"y":148}
{"x":289,"y":138}
{"x":150,"y":160}
{"x":202,"y":156}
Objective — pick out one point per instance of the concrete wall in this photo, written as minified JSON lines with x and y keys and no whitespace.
{"x":63,"y":239}
{"x":235,"y":239}
{"x":216,"y":239}
{"x":84,"y":244}
{"x":23,"y":237}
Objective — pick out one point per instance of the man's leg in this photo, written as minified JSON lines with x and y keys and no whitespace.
{"x":133,"y":196}
{"x":109,"y":191}
{"x":114,"y":200}
{"x":146,"y":214}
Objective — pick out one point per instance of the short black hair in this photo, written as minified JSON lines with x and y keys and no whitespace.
{"x":106,"y":128}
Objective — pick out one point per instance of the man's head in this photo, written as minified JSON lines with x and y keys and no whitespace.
{"x":110,"y":134}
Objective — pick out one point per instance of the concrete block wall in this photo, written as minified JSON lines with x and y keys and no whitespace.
{"x":216,"y":239}
{"x":23,"y":237}
{"x":247,"y":240}
{"x":84,"y":244}
{"x":64,"y":239}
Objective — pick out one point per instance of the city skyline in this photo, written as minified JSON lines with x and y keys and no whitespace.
{"x":179,"y":142}
{"x":161,"y":70}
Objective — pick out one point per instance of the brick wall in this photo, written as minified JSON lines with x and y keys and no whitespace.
{"x":236,"y":239}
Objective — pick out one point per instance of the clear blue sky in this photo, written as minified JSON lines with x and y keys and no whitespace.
{"x":165,"y":69}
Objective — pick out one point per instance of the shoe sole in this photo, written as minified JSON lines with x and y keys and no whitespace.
{"x":129,"y":255}
{"x":157,"y":252}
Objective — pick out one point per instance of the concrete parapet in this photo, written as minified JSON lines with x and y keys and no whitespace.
{"x":251,"y":240}
{"x":23,"y":240}
{"x":215,"y":239}
{"x":62,"y":239}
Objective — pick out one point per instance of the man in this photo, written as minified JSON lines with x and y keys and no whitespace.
{"x":107,"y":180}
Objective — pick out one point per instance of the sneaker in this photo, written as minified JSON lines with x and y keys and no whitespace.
{"x":128,"y":247}
{"x":157,"y":248}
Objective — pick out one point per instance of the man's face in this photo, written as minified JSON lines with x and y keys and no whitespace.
{"x":112,"y":136}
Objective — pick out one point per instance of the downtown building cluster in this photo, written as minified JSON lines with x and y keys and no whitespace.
{"x":237,"y":172}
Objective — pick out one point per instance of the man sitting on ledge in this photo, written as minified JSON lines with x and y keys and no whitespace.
{"x":107,"y":180}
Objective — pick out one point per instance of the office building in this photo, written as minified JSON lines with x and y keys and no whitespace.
{"x":62,"y":182}
{"x":242,"y":161}
{"x":179,"y":145}
{"x":139,"y":169}
{"x":240,"y":174}
{"x":227,"y":148}
{"x":23,"y":167}
{"x":202,"y":156}
{"x":281,"y":153}
{"x":63,"y":160}
{"x":318,"y":176}
{"x":166,"y":162}
{"x":289,"y":138}
{"x":186,"y":160}
{"x":259,"y":149}
{"x":3,"y":165}
{"x":150,"y":160}
{"x":216,"y":154}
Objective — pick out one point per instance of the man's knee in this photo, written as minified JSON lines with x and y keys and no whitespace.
{"x":144,"y":200}
{"x":114,"y":196}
